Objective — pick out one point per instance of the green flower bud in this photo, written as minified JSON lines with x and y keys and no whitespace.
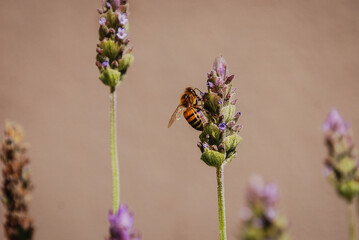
{"x":211,"y":102}
{"x":211,"y":133}
{"x":231,"y":142}
{"x":111,"y":19}
{"x":125,"y":62}
{"x":346,"y":165}
{"x":111,"y":49}
{"x":110,"y":77}
{"x":212,"y":158}
{"x":228,"y":112}
{"x":349,"y":190}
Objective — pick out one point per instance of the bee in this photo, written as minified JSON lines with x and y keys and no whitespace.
{"x":192,"y":110}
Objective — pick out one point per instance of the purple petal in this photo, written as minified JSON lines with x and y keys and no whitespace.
{"x":335,"y":123}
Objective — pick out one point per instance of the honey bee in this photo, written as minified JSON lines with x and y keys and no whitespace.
{"x":192,"y":110}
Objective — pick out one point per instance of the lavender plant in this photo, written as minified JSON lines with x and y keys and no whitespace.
{"x":121,"y":225}
{"x":219,"y":137}
{"x":114,"y":56}
{"x":16,"y":185}
{"x":341,"y":164}
{"x":261,"y":219}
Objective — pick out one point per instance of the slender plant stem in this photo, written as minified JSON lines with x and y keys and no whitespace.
{"x":221,"y":203}
{"x":114,"y":156}
{"x":352,"y":220}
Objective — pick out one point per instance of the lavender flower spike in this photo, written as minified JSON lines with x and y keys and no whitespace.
{"x":16,"y":186}
{"x":260,"y":216}
{"x":219,"y":132}
{"x":342,"y":160}
{"x":114,"y":42}
{"x":342,"y":163}
{"x":121,"y":225}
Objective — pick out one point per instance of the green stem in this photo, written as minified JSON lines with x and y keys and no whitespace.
{"x":114,"y":157}
{"x":352,"y":220}
{"x":221,"y":203}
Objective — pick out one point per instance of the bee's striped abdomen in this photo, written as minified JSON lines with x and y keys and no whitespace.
{"x":193,"y":118}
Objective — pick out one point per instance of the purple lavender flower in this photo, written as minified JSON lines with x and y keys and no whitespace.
{"x":222,"y":126}
{"x":205,"y":145}
{"x":102,"y":21}
{"x":122,"y":18}
{"x":335,"y":122}
{"x":210,"y":84}
{"x":220,"y":67}
{"x":121,"y":225}
{"x":105,"y":63}
{"x":219,"y":81}
{"x":121,"y":33}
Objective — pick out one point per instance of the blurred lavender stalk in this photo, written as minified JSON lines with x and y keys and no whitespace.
{"x":16,"y":185}
{"x":261,"y":219}
{"x":341,"y":164}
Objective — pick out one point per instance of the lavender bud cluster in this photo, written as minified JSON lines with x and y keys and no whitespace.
{"x":16,"y":185}
{"x":220,"y":137}
{"x":261,"y":220}
{"x":114,"y":54}
{"x":341,"y":164}
{"x":121,"y":225}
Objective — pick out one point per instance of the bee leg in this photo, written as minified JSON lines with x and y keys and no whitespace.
{"x":208,"y":112}
{"x":200,"y":92}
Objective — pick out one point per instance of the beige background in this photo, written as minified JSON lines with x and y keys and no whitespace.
{"x":293,"y":61}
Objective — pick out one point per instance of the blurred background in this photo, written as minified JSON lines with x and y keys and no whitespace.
{"x":293,"y":62}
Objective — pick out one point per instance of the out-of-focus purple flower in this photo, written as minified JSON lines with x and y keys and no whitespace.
{"x":328,"y":170}
{"x":122,"y":18}
{"x":255,"y":188}
{"x":105,"y":63}
{"x":271,"y":213}
{"x":335,"y":123}
{"x":123,"y":219}
{"x":261,"y":201}
{"x":205,"y":145}
{"x":222,"y":126}
{"x":102,"y":21}
{"x":219,"y":102}
{"x":121,"y":33}
{"x":270,"y":193}
{"x":121,"y":225}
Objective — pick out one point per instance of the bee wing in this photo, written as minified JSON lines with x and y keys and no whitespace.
{"x":176,"y":115}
